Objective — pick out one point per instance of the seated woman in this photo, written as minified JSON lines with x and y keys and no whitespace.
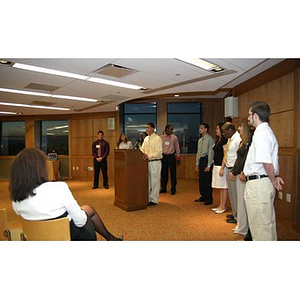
{"x":36,"y":198}
{"x":123,"y":143}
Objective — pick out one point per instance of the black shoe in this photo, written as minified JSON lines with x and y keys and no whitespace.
{"x":248,"y":237}
{"x":199,"y":200}
{"x":151,"y":203}
{"x":162,"y":191}
{"x":173,"y":193}
{"x":95,"y":187}
{"x":229,"y":216}
{"x":106,"y":187}
{"x":207,"y":203}
{"x":233,"y":221}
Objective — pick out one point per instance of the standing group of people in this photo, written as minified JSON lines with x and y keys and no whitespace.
{"x":162,"y":153}
{"x":243,"y":165}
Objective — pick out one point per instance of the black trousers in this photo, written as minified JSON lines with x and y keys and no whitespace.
{"x":97,"y":167}
{"x":205,"y":179}
{"x":168,"y":162}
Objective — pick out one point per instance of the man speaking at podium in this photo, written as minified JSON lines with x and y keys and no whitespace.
{"x":152,"y":149}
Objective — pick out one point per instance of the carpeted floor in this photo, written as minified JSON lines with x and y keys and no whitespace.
{"x":176,"y":218}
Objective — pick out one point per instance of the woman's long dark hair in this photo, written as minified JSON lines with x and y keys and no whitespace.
{"x":28,"y":171}
{"x":120,"y":140}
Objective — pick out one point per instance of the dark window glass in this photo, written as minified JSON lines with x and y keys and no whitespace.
{"x":185,"y":118}
{"x":55,"y":137}
{"x":135,"y":118}
{"x":12,"y":137}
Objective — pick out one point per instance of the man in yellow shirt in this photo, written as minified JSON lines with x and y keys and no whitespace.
{"x":152,"y":149}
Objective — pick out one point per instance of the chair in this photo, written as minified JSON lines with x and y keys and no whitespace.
{"x":48,"y":230}
{"x":7,"y":234}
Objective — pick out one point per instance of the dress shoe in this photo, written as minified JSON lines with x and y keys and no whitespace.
{"x":220,"y":211}
{"x":94,"y":187}
{"x":207,"y":203}
{"x":106,"y":187}
{"x":214,"y":209}
{"x":173,"y":193}
{"x":248,"y":237}
{"x":151,"y":203}
{"x":233,"y":221}
{"x":162,"y":191}
{"x":199,"y":200}
{"x":229,"y":216}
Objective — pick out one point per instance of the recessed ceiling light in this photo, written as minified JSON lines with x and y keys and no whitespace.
{"x":8,"y":113}
{"x":203,"y":64}
{"x":176,"y":95}
{"x":47,"y":95}
{"x":32,"y":106}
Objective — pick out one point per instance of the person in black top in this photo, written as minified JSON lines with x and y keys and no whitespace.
{"x":218,"y":177}
{"x":236,"y":173}
{"x":100,"y":151}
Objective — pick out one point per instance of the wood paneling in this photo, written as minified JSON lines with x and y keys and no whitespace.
{"x":283,"y":127}
{"x":81,"y":128}
{"x":81,"y":146}
{"x":30,"y":134}
{"x":190,"y":164}
{"x":287,"y":172}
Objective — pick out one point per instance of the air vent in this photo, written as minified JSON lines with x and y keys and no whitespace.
{"x":43,"y":103}
{"x":114,"y":71}
{"x":41,"y":87}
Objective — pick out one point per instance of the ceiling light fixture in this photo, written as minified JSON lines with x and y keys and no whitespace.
{"x":47,"y":95}
{"x":49,"y":71}
{"x":115,"y":83}
{"x":8,"y":113}
{"x":77,"y":76}
{"x":33,"y":106}
{"x":203,"y":64}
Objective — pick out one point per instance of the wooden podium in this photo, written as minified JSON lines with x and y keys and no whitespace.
{"x":131,"y":179}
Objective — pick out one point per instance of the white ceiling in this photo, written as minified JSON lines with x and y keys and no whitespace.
{"x":162,"y":76}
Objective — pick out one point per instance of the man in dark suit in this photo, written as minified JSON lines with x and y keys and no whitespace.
{"x":100,"y":151}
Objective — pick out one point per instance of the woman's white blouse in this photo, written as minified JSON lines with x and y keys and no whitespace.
{"x":52,"y":200}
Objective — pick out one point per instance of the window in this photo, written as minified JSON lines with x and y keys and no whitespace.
{"x":12,"y":137}
{"x":185,"y":118}
{"x":55,"y":137}
{"x":135,"y":118}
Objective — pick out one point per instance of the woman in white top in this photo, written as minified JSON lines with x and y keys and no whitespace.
{"x":123,"y":143}
{"x":36,"y":198}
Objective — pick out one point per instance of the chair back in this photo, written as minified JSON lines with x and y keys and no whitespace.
{"x":48,"y":230}
{"x":3,"y":224}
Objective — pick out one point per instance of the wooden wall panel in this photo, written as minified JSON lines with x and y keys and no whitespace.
{"x":81,"y":146}
{"x":287,"y":172}
{"x":81,"y":128}
{"x":30,"y":134}
{"x":283,"y":127}
{"x":190,"y":164}
{"x":279,"y":94}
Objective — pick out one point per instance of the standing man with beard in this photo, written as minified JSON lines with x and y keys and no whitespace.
{"x":262,"y":169}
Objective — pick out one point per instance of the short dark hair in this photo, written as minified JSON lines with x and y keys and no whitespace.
{"x":229,"y":126}
{"x":28,"y":171}
{"x":168,"y":126}
{"x":101,"y":131}
{"x":151,"y":124}
{"x":205,"y":126}
{"x":262,"y":109}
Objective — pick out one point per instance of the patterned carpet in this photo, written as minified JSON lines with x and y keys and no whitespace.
{"x":176,"y":218}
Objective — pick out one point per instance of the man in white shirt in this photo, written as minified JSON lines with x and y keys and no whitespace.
{"x":234,"y":140}
{"x":261,"y":168}
{"x":152,"y":149}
